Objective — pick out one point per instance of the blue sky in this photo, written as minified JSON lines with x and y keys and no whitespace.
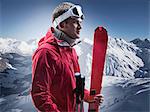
{"x":28,"y":19}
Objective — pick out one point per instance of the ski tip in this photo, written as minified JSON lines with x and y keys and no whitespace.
{"x":100,"y":28}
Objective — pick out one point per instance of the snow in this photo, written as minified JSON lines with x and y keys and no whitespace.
{"x":9,"y":45}
{"x":25,"y":48}
{"x":16,"y":110}
{"x":121,"y":59}
{"x":142,"y":91}
{"x":122,"y":56}
{"x":110,"y":80}
{"x":25,"y":84}
{"x":120,"y":92}
{"x":1,"y":100}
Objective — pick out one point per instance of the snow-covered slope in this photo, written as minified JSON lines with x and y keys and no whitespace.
{"x":122,"y":58}
{"x":125,"y":95}
{"x":123,"y":62}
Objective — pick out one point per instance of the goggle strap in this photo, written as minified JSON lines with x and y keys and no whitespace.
{"x":60,"y":19}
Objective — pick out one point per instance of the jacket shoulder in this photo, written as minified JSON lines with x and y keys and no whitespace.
{"x":47,"y":49}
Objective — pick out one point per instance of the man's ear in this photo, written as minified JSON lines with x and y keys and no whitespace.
{"x":62,"y":25}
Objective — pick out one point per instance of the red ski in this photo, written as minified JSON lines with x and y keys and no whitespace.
{"x":98,"y":61}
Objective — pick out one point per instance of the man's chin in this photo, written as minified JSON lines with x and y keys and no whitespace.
{"x":77,"y":36}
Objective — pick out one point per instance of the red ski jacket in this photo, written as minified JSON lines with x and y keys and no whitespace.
{"x":53,"y":80}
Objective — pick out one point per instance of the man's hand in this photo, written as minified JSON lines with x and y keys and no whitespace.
{"x":98,"y":99}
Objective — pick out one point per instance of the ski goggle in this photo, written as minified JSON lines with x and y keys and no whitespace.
{"x":75,"y":11}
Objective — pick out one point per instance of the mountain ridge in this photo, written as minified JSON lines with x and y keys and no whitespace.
{"x":124,"y":59}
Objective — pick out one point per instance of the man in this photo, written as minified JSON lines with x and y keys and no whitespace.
{"x":55,"y":63}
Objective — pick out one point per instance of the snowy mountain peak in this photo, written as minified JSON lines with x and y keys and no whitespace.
{"x":15,"y":46}
{"x":145,"y":43}
{"x":121,"y":59}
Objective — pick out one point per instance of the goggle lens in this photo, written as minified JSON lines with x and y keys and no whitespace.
{"x":77,"y":11}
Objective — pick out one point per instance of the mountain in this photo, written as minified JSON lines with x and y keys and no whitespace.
{"x":144,"y":54}
{"x":142,"y":43}
{"x":122,"y":58}
{"x":15,"y":75}
{"x":15,"y":46}
{"x":122,"y":83}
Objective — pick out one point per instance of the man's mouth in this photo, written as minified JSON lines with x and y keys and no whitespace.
{"x":78,"y":32}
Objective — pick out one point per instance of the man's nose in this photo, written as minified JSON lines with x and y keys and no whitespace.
{"x":79,"y":26}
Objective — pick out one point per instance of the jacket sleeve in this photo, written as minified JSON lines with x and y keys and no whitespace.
{"x":86,"y":95}
{"x":42,"y":75}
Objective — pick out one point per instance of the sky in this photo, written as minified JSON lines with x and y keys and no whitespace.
{"x":29,"y":19}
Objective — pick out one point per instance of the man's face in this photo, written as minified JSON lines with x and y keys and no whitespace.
{"x":72,"y":27}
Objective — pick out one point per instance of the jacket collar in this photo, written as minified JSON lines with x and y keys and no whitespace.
{"x":56,"y":36}
{"x":66,"y":40}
